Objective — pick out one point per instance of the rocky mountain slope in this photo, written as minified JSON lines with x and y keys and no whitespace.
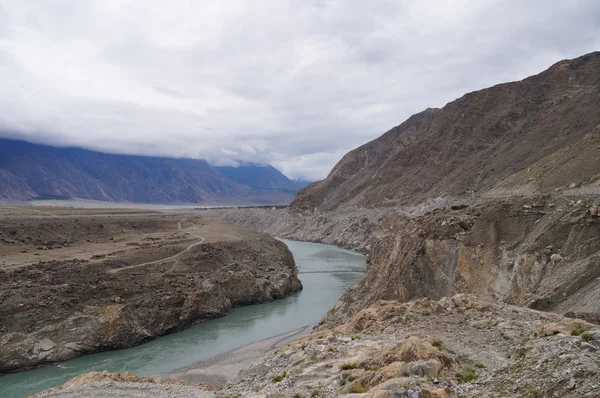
{"x":30,"y":170}
{"x":496,"y":193}
{"x":472,"y":144}
{"x":73,"y":282}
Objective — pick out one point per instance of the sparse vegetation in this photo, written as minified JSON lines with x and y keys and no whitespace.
{"x":586,"y":336}
{"x":351,"y":378}
{"x":330,"y":349}
{"x":348,"y":366}
{"x":479,"y":365}
{"x":313,"y":358}
{"x":467,"y":375}
{"x":535,"y":393}
{"x":578,"y":329}
{"x":342,"y":382}
{"x":439,"y":344}
{"x":296,"y":396}
{"x":358,"y":388}
{"x":280,"y":377}
{"x":315,"y":393}
{"x":303,"y":347}
{"x":375,"y":368}
{"x":505,"y":336}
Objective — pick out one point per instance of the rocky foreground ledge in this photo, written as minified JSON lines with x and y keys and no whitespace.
{"x":110,"y":281}
{"x":464,"y":346}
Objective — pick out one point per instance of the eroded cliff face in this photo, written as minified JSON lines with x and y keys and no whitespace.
{"x":539,"y":253}
{"x":55,"y":311}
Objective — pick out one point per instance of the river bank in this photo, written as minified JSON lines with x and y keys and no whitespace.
{"x":243,"y":326}
{"x":219,"y":370}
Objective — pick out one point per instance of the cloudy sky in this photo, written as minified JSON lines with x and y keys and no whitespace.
{"x":292,"y":83}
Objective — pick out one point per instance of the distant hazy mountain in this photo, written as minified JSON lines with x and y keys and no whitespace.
{"x":31,"y":170}
{"x":261,"y":177}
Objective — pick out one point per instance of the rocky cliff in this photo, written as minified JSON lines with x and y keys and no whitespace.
{"x":496,"y":194}
{"x":153,"y":280}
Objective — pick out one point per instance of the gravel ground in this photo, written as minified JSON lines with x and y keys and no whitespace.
{"x":111,"y":389}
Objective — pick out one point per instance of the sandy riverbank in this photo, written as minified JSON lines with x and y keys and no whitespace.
{"x":216,"y":371}
{"x":221,"y":369}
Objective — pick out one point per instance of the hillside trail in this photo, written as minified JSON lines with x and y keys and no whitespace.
{"x":201,"y":241}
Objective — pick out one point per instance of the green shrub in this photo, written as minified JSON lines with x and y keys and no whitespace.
{"x":351,"y":378}
{"x":479,"y":365}
{"x":296,"y":396}
{"x":578,"y":329}
{"x":280,"y":377}
{"x":467,"y":375}
{"x":342,"y":382}
{"x":330,"y":349}
{"x":438,"y":343}
{"x":348,"y":366}
{"x":586,"y":336}
{"x":315,"y":393}
{"x":313,"y":358}
{"x":358,"y":388}
{"x":303,"y":347}
{"x":375,"y":368}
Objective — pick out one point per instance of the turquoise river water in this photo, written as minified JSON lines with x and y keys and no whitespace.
{"x":326,"y":273}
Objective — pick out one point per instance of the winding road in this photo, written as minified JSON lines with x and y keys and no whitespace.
{"x":201,"y":241}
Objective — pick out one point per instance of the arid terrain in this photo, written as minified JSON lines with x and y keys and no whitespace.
{"x":460,"y":346}
{"x":482,"y":225}
{"x":76,"y":281}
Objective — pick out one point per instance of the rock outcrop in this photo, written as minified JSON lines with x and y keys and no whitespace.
{"x":56,"y":310}
{"x":463,"y":346}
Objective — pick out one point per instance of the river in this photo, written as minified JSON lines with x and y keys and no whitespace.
{"x":326,"y":273}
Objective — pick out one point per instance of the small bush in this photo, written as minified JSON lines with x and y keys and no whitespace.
{"x":354,"y":338}
{"x":406,"y":374}
{"x":280,"y":377}
{"x":342,"y":382}
{"x":586,"y":336}
{"x":315,"y":393}
{"x":578,"y":329}
{"x":348,"y":366}
{"x":505,"y":336}
{"x":313,"y":358}
{"x":467,"y":375}
{"x":330,"y":349}
{"x":358,"y":388}
{"x":375,"y":368}
{"x":535,"y":393}
{"x":296,"y":396}
{"x":438,"y":343}
{"x":351,"y":378}
{"x":303,"y":347}
{"x":479,"y":365}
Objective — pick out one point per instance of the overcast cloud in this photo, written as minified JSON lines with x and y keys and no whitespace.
{"x":292,"y":83}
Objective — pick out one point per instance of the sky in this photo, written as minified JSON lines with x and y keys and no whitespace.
{"x":296,"y":84}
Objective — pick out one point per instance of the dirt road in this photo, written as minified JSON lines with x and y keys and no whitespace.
{"x":201,"y":241}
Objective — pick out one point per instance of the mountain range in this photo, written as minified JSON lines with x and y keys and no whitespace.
{"x":30,"y":171}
